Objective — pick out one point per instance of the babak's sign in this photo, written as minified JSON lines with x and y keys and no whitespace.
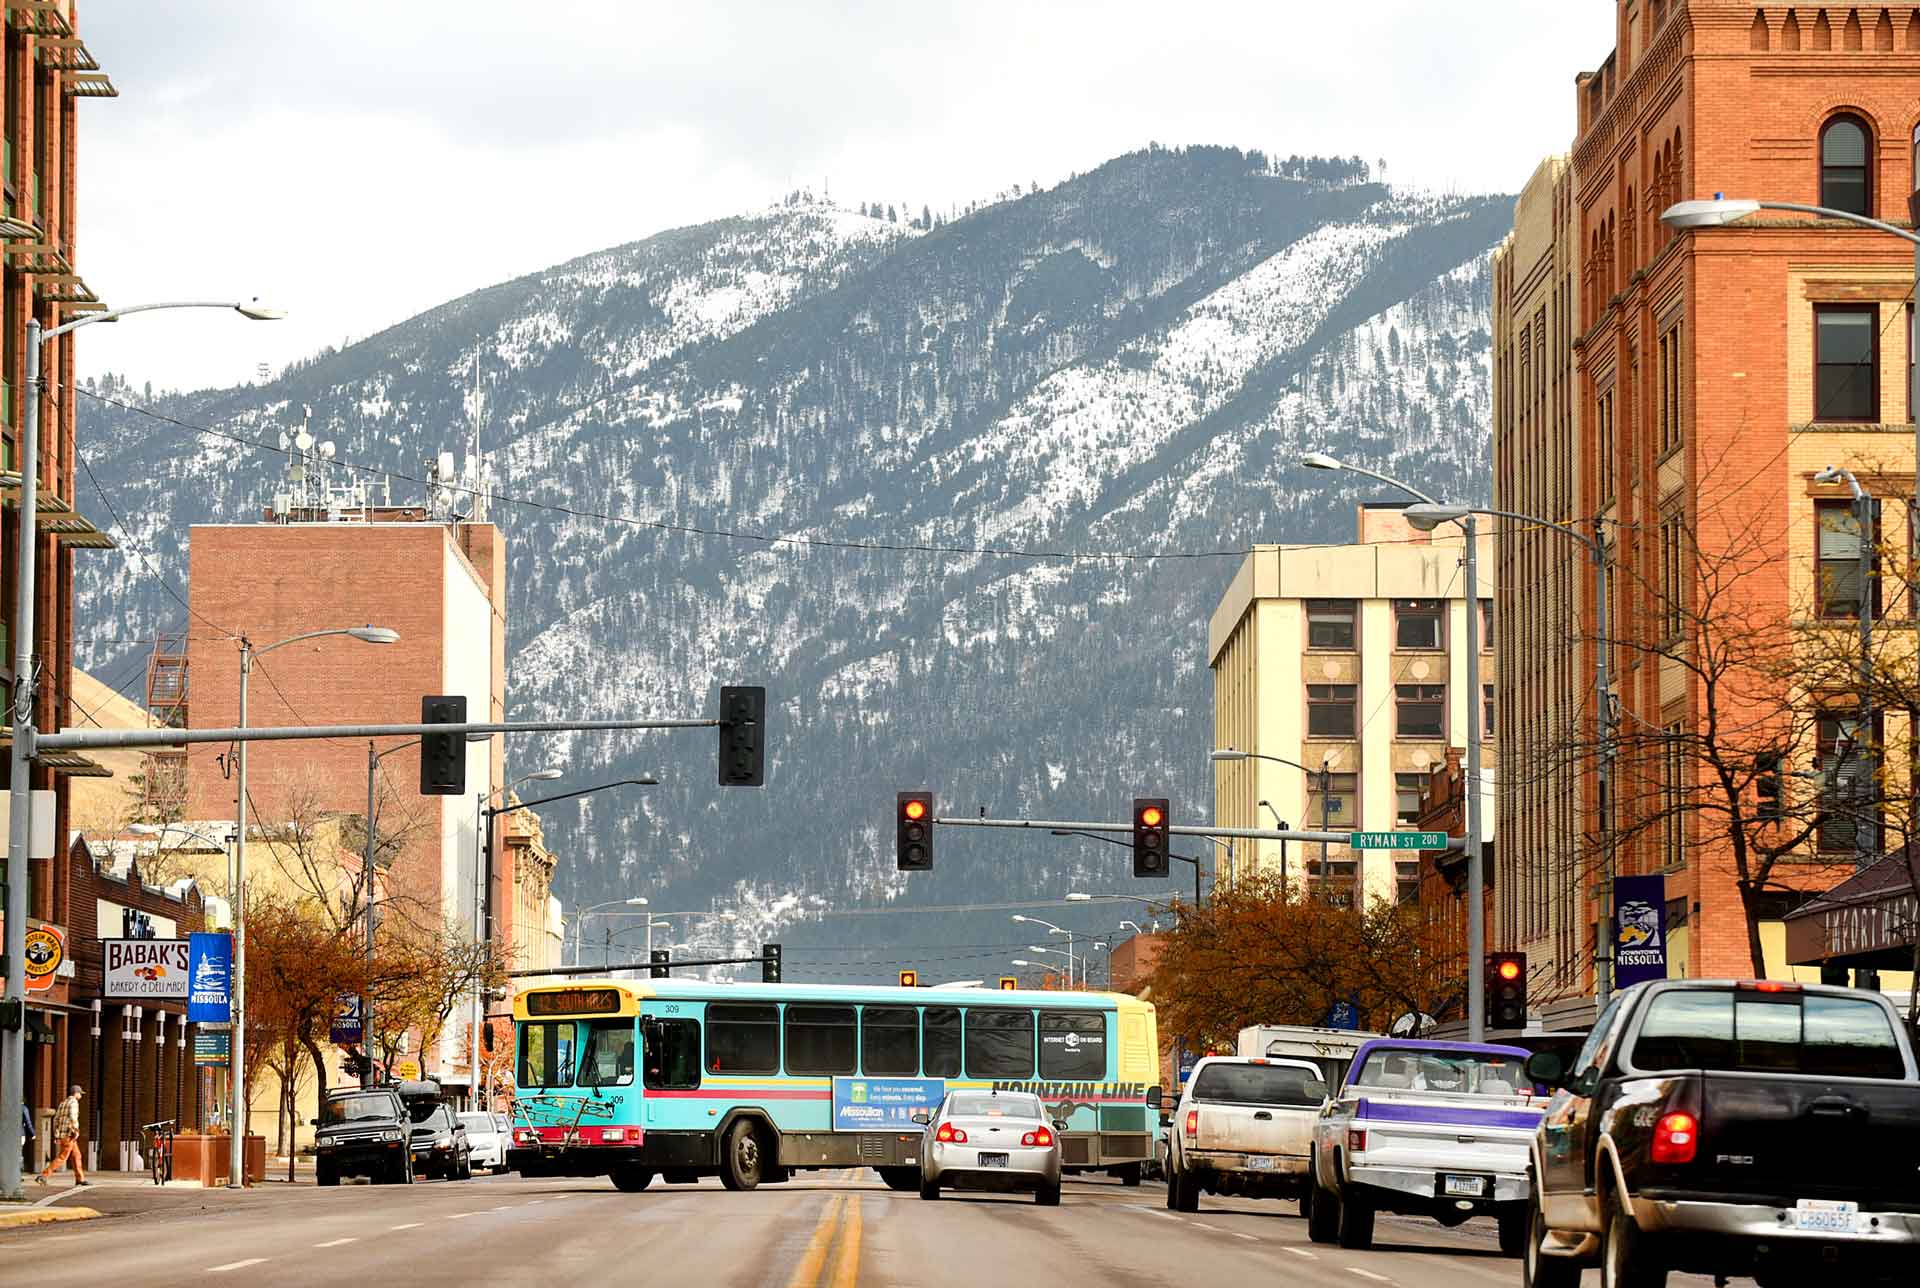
{"x":145,"y":967}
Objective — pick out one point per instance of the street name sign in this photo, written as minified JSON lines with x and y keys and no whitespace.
{"x":1398,"y":840}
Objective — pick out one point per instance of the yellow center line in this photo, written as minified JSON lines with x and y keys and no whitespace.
{"x":846,"y":1271}
{"x":814,"y":1260}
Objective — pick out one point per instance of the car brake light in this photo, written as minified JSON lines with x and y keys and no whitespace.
{"x":1770,"y":986}
{"x":948,"y":1132}
{"x":1675,"y":1137}
{"x":1357,"y":1139}
{"x":1193,"y":1122}
{"x":1041,"y":1137}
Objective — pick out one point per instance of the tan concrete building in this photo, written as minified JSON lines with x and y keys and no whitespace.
{"x":1545,"y":666}
{"x":1350,"y":657}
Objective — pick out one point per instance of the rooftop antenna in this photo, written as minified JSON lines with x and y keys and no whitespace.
{"x":477,"y":477}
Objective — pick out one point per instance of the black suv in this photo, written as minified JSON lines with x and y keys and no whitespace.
{"x":363,"y":1132}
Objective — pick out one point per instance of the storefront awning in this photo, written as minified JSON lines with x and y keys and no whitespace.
{"x":1867,"y":922}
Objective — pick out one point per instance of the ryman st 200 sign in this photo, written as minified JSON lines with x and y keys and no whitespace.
{"x":140,"y":968}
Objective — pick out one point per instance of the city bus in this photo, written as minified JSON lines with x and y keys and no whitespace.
{"x":633,"y":1079}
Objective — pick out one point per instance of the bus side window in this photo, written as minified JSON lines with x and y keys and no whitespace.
{"x":673,"y":1055}
{"x":940,"y":1042}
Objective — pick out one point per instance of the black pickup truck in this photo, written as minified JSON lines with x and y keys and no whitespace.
{"x":1729,"y":1128}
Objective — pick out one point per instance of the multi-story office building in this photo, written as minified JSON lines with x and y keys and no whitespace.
{"x":1715,"y":372}
{"x":1350,"y":659}
{"x":1546,"y":668}
{"x":47,"y":69}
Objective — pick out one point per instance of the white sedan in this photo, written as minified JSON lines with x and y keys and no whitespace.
{"x":487,"y":1139}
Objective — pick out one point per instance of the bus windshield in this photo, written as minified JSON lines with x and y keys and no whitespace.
{"x":607,"y":1059}
{"x":546,"y":1053}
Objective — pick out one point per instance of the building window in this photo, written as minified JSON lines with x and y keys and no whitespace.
{"x":1330,"y":623}
{"x":1672,"y":601}
{"x":1486,"y":710}
{"x":1421,"y":710}
{"x":1837,"y":558}
{"x":1342,"y":803}
{"x":1667,"y":417}
{"x":1407,"y":789}
{"x":1844,"y":771}
{"x":1486,"y":626}
{"x":1846,"y":351}
{"x":1845,"y":175}
{"x":1603,"y":427}
{"x":1406,"y":881}
{"x":1330,"y":710}
{"x":1417,"y":624}
{"x":1673,"y":787}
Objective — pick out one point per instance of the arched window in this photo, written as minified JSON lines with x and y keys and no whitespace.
{"x":1845,"y":177}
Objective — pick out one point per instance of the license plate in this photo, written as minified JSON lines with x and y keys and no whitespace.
{"x":1466,"y":1187}
{"x":993,"y":1160}
{"x":1259,"y":1163}
{"x":1826,"y":1215}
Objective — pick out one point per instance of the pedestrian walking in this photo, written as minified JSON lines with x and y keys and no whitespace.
{"x":66,"y":1138}
{"x":27,"y":1135}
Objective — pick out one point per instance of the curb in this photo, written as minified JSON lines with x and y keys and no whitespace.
{"x":44,"y":1216}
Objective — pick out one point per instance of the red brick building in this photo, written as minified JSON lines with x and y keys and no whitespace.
{"x":1717,"y":371}
{"x":47,"y":68}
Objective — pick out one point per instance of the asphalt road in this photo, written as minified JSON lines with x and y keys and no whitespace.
{"x":827,"y":1230}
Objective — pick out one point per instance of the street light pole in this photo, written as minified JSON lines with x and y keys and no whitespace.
{"x":13,"y":1042}
{"x":1476,"y":871}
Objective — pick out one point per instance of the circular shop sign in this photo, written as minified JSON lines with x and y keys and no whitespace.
{"x":43,"y":953}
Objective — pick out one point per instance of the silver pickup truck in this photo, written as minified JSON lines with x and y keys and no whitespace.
{"x":1439,"y":1129}
{"x":1242,"y":1127}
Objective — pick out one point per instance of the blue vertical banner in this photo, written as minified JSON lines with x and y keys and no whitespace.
{"x":209,"y":978}
{"x":1639,"y":930}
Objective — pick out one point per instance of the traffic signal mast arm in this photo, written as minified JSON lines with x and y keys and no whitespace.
{"x":1246,"y":833}
{"x":97,"y":739}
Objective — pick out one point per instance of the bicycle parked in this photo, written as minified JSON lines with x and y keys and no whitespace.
{"x":160,"y":1149}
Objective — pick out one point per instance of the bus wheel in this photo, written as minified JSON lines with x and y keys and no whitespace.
{"x":631,"y":1179}
{"x":1129,"y":1175}
{"x":742,"y":1160}
{"x":900,"y":1178}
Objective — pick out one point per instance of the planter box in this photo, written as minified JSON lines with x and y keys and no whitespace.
{"x":205,"y":1158}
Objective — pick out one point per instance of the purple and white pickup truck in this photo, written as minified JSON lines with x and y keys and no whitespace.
{"x":1439,"y":1129}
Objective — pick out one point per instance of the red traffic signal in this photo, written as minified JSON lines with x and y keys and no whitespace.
{"x":913,"y":832}
{"x":1508,"y":969}
{"x":1506,"y":984}
{"x":1150,"y":827}
{"x":1008,"y":983}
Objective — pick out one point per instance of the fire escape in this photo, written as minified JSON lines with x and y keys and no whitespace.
{"x":165,"y":791}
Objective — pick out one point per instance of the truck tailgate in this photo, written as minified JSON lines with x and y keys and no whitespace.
{"x":1254,"y":1129}
{"x":1452,"y":1133}
{"x":1790,"y":1138}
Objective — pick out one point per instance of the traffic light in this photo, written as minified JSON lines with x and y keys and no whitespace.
{"x":1009,"y":982}
{"x":1506,"y":990}
{"x":443,"y":756}
{"x":913,"y":832}
{"x":909,"y":979}
{"x":1150,"y":824}
{"x":1766,"y":780}
{"x":769,"y":963}
{"x":743,"y":725}
{"x":657,"y":963}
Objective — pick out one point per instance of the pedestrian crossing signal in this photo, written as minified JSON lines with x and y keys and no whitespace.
{"x":909,"y":979}
{"x":1009,"y":982}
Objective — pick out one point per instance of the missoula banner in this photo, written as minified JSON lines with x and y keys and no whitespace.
{"x":210,"y":978}
{"x":1639,"y":930}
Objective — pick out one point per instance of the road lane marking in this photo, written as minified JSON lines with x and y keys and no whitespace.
{"x":1201,"y":1225}
{"x":1302,"y":1252}
{"x":234,"y":1265}
{"x":1251,"y":1238}
{"x":814,"y":1259}
{"x":1368,"y":1274}
{"x":411,"y":1225}
{"x":334,"y":1243}
{"x":846,"y":1271}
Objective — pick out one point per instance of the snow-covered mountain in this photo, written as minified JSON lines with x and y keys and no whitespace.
{"x":960,"y":495}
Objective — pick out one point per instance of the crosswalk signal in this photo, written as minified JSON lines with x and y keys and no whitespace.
{"x":1506,"y":990}
{"x":657,"y":964}
{"x":743,"y":724}
{"x":769,"y":963}
{"x":1008,"y":983}
{"x":909,"y":979}
{"x":443,"y":756}
{"x":1150,"y":824}
{"x":913,"y":832}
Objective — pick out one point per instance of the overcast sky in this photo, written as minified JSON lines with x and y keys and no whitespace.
{"x":359,"y":161}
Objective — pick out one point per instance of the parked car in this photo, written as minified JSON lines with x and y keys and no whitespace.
{"x":486,"y":1141}
{"x":1438,"y":1129}
{"x":363,"y":1132}
{"x":439,"y":1144}
{"x":1730,"y":1128}
{"x":1243,"y":1127}
{"x":992,"y":1140}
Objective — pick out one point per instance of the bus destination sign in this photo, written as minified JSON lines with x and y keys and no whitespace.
{"x":574,"y":1001}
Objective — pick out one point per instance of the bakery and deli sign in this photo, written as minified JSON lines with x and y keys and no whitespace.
{"x":146,"y":968}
